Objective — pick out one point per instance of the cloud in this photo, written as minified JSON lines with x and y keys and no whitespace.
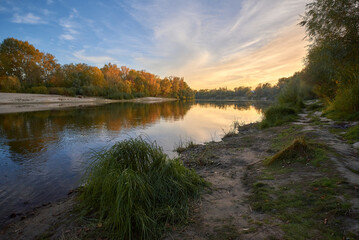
{"x":66,"y":37}
{"x":69,"y":26}
{"x":97,"y":60}
{"x":27,"y":19}
{"x":48,"y":2}
{"x":220,"y":43}
{"x":280,"y":57}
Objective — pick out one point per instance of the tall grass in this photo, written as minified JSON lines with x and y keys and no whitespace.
{"x":136,"y":190}
{"x":277,"y":115}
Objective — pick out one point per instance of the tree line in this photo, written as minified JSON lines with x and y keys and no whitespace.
{"x":23,"y":68}
{"x":263,"y":91}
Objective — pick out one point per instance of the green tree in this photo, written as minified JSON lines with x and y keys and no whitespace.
{"x":333,"y":57}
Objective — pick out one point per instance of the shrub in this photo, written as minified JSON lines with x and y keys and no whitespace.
{"x":92,"y":91}
{"x":136,"y":190}
{"x":9,"y":84}
{"x":277,"y":115}
{"x":39,"y":90}
{"x":347,"y":99}
{"x":119,"y":95}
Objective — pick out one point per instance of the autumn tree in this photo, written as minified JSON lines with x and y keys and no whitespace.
{"x":28,"y":64}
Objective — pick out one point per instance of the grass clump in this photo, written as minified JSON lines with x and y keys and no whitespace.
{"x":277,"y":115}
{"x":183,"y":146}
{"x":301,"y":151}
{"x":352,"y":135}
{"x":135,"y":190}
{"x":298,"y":149}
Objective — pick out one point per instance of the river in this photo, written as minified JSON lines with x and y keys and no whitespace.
{"x":44,"y":154}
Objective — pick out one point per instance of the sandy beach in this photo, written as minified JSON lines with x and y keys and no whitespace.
{"x":24,"y":102}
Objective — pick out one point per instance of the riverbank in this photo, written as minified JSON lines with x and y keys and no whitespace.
{"x":25,"y":102}
{"x":316,"y":197}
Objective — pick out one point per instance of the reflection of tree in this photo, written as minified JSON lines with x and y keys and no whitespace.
{"x":238,"y":105}
{"x":30,"y":132}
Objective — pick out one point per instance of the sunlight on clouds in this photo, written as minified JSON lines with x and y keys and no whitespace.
{"x":226,"y":44}
{"x":279,"y":58}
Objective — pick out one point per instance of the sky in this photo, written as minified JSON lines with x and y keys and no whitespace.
{"x":211,"y":43}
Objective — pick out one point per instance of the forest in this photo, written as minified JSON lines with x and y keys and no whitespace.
{"x":23,"y":68}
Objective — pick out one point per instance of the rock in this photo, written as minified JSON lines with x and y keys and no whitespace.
{"x":356,"y":145}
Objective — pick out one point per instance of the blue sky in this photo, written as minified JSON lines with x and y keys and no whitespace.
{"x":211,"y":43}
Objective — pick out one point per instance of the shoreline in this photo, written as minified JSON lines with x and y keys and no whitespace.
{"x":235,"y":168}
{"x":27,"y":102}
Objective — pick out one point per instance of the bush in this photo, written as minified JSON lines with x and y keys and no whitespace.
{"x":347,"y":98}
{"x":57,"y":90}
{"x":291,"y":94}
{"x":39,"y":90}
{"x":9,"y":84}
{"x":119,"y":95}
{"x":92,"y":91}
{"x":277,"y":115}
{"x":135,"y":190}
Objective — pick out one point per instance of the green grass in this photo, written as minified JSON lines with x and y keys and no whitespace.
{"x":135,"y":191}
{"x":301,"y":151}
{"x":183,"y":146}
{"x":309,"y":210}
{"x":339,"y":115}
{"x":352,"y":135}
{"x":277,"y":115}
{"x":312,"y":206}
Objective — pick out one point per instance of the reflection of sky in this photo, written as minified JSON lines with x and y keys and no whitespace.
{"x":52,"y":168}
{"x":200,"y":124}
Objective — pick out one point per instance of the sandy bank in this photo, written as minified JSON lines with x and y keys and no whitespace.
{"x":23,"y":102}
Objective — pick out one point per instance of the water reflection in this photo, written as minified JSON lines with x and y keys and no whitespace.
{"x":42,"y":154}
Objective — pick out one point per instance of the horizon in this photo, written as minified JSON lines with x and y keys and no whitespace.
{"x":211,"y":45}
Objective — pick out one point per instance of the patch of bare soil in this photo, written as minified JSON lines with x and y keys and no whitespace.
{"x":223,"y":213}
{"x":41,"y":223}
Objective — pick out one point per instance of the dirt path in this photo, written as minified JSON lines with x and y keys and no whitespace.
{"x":347,"y":158}
{"x":222,"y":213}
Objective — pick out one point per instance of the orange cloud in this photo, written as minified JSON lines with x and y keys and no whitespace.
{"x":280,"y":57}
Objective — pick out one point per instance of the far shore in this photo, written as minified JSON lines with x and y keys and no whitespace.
{"x":26,"y":102}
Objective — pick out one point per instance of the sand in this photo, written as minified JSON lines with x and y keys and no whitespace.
{"x":24,"y":102}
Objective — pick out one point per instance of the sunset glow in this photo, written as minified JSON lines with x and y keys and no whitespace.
{"x":211,"y":44}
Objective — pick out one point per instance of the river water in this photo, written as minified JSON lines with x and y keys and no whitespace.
{"x":43,"y":154}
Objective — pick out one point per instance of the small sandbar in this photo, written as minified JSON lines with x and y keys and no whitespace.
{"x":25,"y":102}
